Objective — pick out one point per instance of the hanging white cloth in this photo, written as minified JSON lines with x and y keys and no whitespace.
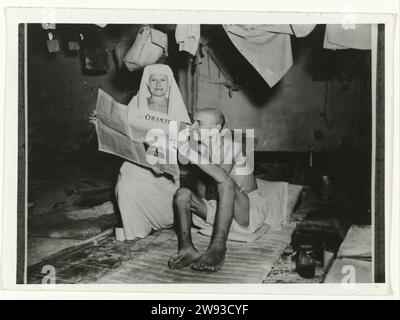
{"x":302,"y":30}
{"x":149,"y":46}
{"x":48,"y":26}
{"x":259,"y":29}
{"x":298,"y":30}
{"x":347,"y":36}
{"x":187,"y":37}
{"x":270,"y":53}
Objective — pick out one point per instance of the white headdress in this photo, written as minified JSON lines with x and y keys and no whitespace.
{"x":176,"y":107}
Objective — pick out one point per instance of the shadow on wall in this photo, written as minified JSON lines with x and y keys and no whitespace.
{"x":236,"y":67}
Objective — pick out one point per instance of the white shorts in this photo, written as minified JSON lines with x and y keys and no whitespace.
{"x":257,"y":214}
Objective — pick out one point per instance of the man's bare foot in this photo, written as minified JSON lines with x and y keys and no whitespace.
{"x":212,"y":260}
{"x":184,"y":258}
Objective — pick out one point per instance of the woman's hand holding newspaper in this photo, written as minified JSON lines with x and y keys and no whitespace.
{"x":93,"y":117}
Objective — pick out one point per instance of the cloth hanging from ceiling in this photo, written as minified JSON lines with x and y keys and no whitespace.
{"x":260,"y":28}
{"x":48,"y":26}
{"x":346,"y":36}
{"x":302,"y":30}
{"x":270,"y":53}
{"x":187,"y":37}
{"x":298,"y":30}
{"x":149,"y":46}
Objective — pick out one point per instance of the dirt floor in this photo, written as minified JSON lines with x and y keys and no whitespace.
{"x":71,"y":219}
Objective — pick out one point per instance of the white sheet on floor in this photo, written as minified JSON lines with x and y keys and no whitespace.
{"x":270,"y":53}
{"x":273,"y":207}
{"x":187,"y":37}
{"x":357,"y":243}
{"x":347,"y":270}
{"x":347,"y":36}
{"x":276,"y":199}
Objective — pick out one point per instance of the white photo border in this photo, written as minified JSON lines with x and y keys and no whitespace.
{"x":14,"y":16}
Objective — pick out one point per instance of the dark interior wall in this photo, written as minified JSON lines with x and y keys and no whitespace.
{"x":61,"y":94}
{"x":290,"y":116}
{"x":287,"y":117}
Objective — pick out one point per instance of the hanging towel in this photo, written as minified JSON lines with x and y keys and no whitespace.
{"x":299,"y":30}
{"x":341,"y":36}
{"x":187,"y":37}
{"x":48,"y":26}
{"x":149,"y":46}
{"x":270,"y":53}
{"x":302,"y":30}
{"x":259,"y":29}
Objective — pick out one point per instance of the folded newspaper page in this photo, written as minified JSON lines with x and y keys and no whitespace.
{"x":125,"y":133}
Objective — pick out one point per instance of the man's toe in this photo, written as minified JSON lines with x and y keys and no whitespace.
{"x":197,"y":266}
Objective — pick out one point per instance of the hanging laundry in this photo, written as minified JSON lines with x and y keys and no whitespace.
{"x":95,"y":55}
{"x":73,"y":46}
{"x":49,"y":26}
{"x":270,"y":53}
{"x":302,"y":30}
{"x":298,"y":30}
{"x":188,"y":37}
{"x":52,"y":44}
{"x":70,"y":36}
{"x":277,"y":28}
{"x":149,"y":46}
{"x":342,"y":36}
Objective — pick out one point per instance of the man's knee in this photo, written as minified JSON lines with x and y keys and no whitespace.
{"x":182,"y":195}
{"x":227,"y":185}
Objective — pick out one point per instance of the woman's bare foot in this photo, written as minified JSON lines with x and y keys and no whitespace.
{"x":184,"y":258}
{"x":212,"y":260}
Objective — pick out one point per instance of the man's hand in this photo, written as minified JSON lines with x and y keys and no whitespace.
{"x":156,"y":170}
{"x":93,"y":117}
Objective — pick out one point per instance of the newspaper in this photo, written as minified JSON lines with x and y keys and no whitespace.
{"x":123,"y":132}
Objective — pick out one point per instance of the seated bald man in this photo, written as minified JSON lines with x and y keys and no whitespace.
{"x":235,"y":207}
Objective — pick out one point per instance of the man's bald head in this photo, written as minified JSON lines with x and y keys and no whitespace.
{"x":209,"y":118}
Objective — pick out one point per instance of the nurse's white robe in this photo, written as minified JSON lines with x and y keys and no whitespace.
{"x":145,"y":200}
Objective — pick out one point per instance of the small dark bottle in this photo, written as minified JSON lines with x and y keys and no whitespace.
{"x":305,"y":262}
